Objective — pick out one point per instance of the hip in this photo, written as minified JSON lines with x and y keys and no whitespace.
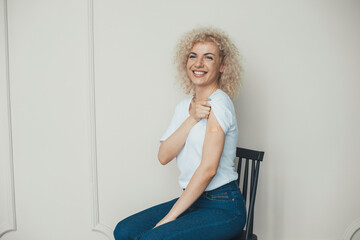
{"x":227,"y":197}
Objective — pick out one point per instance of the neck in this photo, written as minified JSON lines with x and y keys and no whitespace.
{"x":203,"y":93}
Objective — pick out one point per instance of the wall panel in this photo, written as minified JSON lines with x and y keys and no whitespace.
{"x":7,"y":187}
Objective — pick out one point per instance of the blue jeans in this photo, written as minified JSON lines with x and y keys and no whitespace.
{"x":218,"y":214}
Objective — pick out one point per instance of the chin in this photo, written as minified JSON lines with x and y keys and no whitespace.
{"x":198,"y":83}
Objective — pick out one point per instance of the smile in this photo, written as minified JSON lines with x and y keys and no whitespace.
{"x":199,"y":73}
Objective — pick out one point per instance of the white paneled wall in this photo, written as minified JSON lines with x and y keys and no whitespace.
{"x":87,"y":89}
{"x":7,"y":201}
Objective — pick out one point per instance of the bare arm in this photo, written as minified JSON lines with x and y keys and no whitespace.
{"x":173,"y":144}
{"x":212,"y":150}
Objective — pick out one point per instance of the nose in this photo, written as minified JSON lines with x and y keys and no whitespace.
{"x":199,"y":63}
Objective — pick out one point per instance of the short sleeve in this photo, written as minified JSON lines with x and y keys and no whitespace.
{"x":223,"y":113}
{"x":174,"y":123}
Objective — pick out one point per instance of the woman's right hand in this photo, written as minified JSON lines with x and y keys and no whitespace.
{"x":199,"y":109}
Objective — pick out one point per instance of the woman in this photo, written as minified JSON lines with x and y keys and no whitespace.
{"x":202,"y":135}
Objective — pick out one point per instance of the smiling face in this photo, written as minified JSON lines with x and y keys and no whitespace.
{"x":204,"y":64}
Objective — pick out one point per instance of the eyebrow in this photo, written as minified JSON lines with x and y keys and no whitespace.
{"x":204,"y":54}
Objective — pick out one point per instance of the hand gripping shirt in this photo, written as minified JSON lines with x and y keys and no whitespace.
{"x":189,"y":157}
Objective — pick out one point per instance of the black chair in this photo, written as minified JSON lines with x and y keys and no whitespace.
{"x":255,"y":157}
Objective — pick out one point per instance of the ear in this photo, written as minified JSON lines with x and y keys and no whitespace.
{"x":222,"y":67}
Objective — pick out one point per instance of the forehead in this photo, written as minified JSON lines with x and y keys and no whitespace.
{"x":205,"y":47}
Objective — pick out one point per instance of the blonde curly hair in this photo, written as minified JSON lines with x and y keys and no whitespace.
{"x":230,"y":79}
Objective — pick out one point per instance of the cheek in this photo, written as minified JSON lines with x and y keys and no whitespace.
{"x":188,"y":71}
{"x":216,"y":67}
{"x":213,"y":67}
{"x":188,"y":63}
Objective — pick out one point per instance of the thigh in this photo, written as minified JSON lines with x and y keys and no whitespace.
{"x":200,"y":224}
{"x":140,"y":222}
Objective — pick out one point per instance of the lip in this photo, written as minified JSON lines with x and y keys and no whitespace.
{"x":199,"y":75}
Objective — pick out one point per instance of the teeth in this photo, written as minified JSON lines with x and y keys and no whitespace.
{"x":199,"y":73}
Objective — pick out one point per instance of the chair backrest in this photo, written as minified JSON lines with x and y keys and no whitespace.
{"x":255,"y":157}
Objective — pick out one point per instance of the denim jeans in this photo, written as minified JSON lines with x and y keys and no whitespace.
{"x":218,"y":214}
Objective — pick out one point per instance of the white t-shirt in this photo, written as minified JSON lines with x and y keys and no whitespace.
{"x":189,"y":157}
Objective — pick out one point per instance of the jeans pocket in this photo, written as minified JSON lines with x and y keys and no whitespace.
{"x":239,"y":204}
{"x":237,"y":193}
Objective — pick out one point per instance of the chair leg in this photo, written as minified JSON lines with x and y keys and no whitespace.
{"x":252,"y":203}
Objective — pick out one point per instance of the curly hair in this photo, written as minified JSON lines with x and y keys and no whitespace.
{"x":230,"y":79}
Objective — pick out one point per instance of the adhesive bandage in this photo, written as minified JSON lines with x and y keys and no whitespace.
{"x":214,"y":129}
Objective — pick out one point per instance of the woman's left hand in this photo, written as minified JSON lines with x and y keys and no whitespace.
{"x":163,"y":221}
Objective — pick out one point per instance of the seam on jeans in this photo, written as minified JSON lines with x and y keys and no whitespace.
{"x":209,"y":225}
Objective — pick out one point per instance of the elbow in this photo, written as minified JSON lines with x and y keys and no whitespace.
{"x":164,"y":155}
{"x":161,"y":156}
{"x":162,"y":159}
{"x":209,"y":172}
{"x":212,"y":173}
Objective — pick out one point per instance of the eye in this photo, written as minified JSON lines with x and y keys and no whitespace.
{"x":192,"y":56}
{"x":209,"y":57}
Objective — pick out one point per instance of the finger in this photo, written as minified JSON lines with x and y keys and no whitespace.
{"x":206,"y":103}
{"x":206,"y":109}
{"x":201,"y":110}
{"x":203,"y":102}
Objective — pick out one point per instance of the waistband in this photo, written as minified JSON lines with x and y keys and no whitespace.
{"x":229,"y":185}
{"x":232,"y":184}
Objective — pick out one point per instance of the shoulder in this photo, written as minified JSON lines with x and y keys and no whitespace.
{"x":223,"y":109}
{"x":222,"y":99}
